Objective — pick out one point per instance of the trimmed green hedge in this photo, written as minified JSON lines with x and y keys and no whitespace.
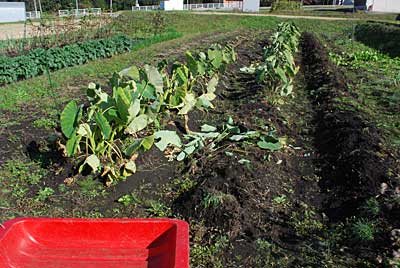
{"x":385,"y":38}
{"x":37,"y":61}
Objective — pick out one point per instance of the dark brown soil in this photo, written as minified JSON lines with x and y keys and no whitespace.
{"x":352,"y":160}
{"x":292,"y":201}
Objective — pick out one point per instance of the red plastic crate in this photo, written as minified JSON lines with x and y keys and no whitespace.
{"x":94,"y":243}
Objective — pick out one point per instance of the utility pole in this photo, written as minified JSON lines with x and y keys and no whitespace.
{"x":35,"y":5}
{"x":111,"y":6}
{"x":76,"y":8}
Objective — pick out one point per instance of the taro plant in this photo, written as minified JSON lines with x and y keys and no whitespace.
{"x":278,"y":68}
{"x":107,"y":135}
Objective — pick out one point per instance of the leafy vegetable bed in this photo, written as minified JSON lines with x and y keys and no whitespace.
{"x":39,"y":61}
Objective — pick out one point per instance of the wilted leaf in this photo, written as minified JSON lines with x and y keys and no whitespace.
{"x":154,"y":77}
{"x":93,"y":161}
{"x":166,"y":138}
{"x":270,"y":145}
{"x":131,"y":72}
{"x":189,"y":102}
{"x":137,"y":124}
{"x":208,"y":128}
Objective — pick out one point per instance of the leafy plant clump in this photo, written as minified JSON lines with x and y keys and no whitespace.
{"x":107,"y":136}
{"x":40,"y":60}
{"x":279,"y":68}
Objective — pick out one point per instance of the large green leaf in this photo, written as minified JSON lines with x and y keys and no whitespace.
{"x":166,"y":138}
{"x":70,"y":118}
{"x":103,"y":124}
{"x":123,"y":102}
{"x":73,"y":145}
{"x":192,"y":63}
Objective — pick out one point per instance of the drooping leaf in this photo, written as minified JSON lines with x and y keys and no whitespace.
{"x":154,"y":77}
{"x":84,"y":130}
{"x":129,"y":168}
{"x":93,"y":162}
{"x":208,"y":128}
{"x":166,"y":138}
{"x":137,"y":124}
{"x":212,"y":84}
{"x":189,"y":102}
{"x":270,"y":143}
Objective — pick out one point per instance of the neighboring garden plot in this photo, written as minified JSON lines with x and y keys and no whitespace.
{"x":52,"y":50}
{"x":279,"y":157}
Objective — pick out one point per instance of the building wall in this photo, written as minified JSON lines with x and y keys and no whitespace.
{"x":12,"y":11}
{"x":386,"y":6}
{"x":251,"y":5}
{"x":171,"y":5}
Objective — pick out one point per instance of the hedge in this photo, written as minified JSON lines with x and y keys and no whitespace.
{"x":383,"y":37}
{"x":37,"y":61}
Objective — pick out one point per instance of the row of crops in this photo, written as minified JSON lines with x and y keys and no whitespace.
{"x":40,"y":61}
{"x":107,"y":136}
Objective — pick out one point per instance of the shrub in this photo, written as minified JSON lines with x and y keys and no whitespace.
{"x":39,"y":60}
{"x":385,"y":38}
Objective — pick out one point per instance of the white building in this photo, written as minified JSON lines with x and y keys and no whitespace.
{"x":251,"y":5}
{"x":12,"y":11}
{"x":390,"y":6}
{"x":171,"y":5}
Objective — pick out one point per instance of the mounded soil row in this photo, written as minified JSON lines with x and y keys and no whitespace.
{"x":351,"y":162}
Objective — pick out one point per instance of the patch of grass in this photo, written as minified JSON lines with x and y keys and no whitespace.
{"x":364,"y":230}
{"x":45,"y":123}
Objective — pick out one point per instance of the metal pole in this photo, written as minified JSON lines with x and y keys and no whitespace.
{"x":40,"y":7}
{"x":111,"y":6}
{"x":76,"y":8}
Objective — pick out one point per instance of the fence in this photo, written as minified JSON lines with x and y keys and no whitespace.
{"x":211,"y":6}
{"x":80,"y":12}
{"x":145,"y":8}
{"x":31,"y":15}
